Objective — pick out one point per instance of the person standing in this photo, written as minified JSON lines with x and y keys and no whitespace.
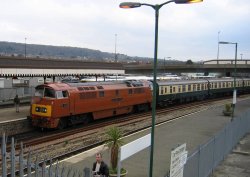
{"x":17,"y":103}
{"x":100,"y":168}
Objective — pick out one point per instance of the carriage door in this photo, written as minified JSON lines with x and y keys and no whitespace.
{"x":63,"y":103}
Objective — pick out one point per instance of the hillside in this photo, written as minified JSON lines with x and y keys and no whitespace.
{"x":65,"y":52}
{"x":62,"y":52}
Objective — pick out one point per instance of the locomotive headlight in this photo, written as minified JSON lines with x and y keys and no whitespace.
{"x":44,"y":110}
{"x":37,"y":109}
{"x":41,"y":110}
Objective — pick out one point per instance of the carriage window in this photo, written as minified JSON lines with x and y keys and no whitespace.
{"x":117,"y":92}
{"x":194,"y":87}
{"x":166,"y":90}
{"x":198,"y":87}
{"x":189,"y":87}
{"x":162,"y":90}
{"x":179,"y":89}
{"x":170,"y":89}
{"x":202,"y":86}
{"x":183,"y":88}
{"x":130,"y":91}
{"x":173,"y":89}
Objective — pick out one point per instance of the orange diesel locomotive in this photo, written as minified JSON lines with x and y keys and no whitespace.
{"x":58,"y":105}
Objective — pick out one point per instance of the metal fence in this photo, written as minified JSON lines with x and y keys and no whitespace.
{"x":205,"y":158}
{"x":15,"y":163}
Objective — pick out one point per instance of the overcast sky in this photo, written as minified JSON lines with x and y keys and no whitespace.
{"x":187,"y":31}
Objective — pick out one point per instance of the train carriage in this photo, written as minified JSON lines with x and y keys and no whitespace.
{"x":170,"y":92}
{"x":225,"y":86}
{"x":246,"y":85}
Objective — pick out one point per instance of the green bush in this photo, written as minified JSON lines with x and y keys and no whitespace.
{"x":228,"y":107}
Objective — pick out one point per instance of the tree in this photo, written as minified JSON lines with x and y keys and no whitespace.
{"x":114,"y":142}
{"x":189,"y":62}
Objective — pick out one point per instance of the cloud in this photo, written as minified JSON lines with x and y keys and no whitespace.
{"x":185,"y":31}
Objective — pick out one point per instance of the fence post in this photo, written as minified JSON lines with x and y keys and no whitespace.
{"x":57,"y":169}
{"x":199,"y":160}
{"x":21,"y":160}
{"x":13,"y":163}
{"x":214,"y":149}
{"x":43,"y":169}
{"x":62,"y":172}
{"x":36,"y":167}
{"x":50,"y":168}
{"x":3,"y":149}
{"x":29,"y":164}
{"x":86,"y":172}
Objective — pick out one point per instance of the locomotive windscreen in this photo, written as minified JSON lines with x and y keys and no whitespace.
{"x":42,"y":91}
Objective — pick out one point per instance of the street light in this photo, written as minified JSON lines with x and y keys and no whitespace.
{"x":156,"y":8}
{"x":235,"y":61}
{"x":164,"y":64}
{"x":115,"y":48}
{"x":218,"y":51}
{"x":25,"y":49}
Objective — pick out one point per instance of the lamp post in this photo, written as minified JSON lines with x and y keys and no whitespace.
{"x":235,"y":62}
{"x":115,"y":48}
{"x":156,"y":8}
{"x":218,"y":51}
{"x":25,"y":48}
{"x":165,"y":65}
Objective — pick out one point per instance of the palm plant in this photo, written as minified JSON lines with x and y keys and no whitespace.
{"x":114,"y":142}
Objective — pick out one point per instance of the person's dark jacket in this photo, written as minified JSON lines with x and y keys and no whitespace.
{"x":16,"y":100}
{"x":104,"y":170}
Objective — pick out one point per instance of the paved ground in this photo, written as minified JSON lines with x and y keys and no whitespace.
{"x":236,"y":164}
{"x":8,"y":114}
{"x":193,"y":130}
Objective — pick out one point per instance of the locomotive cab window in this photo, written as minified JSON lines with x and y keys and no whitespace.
{"x":39,"y":92}
{"x":61,"y":94}
{"x":48,"y":92}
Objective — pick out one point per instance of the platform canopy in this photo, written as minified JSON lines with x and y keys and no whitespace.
{"x":26,"y":67}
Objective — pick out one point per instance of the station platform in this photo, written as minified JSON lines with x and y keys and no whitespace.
{"x":194,"y":130}
{"x":10,"y":114}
